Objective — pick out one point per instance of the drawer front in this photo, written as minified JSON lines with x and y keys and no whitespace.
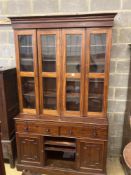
{"x":101,"y":132}
{"x":21,"y":127}
{"x":83,"y":132}
{"x":69,"y":131}
{"x":37,"y":128}
{"x":43,"y":129}
{"x":76,"y":131}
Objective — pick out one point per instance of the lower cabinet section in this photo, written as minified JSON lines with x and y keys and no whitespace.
{"x":54,"y":152}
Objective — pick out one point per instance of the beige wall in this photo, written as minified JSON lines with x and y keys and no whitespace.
{"x":120,"y":57}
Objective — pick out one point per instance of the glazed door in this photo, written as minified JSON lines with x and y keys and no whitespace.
{"x":29,"y":149}
{"x":27,"y":71}
{"x":49,"y":71}
{"x":97,"y":68}
{"x":73,"y":72}
{"x":91,"y":155}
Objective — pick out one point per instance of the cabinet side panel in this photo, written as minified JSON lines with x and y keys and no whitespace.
{"x":11,"y":97}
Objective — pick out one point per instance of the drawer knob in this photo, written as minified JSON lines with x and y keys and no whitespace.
{"x":47,"y":131}
{"x":94,"y":132}
{"x":26,"y":129}
{"x":70,"y":132}
{"x":85,"y":147}
{"x":35,"y":157}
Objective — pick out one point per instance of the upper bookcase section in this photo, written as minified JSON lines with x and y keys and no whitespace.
{"x":64,"y":21}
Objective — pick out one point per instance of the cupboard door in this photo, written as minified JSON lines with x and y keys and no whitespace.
{"x":73,"y":71}
{"x":91,"y":155}
{"x":97,"y":67}
{"x":29,"y":149}
{"x":49,"y":71}
{"x":27,"y":71}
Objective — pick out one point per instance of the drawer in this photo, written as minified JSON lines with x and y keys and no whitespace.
{"x":37,"y":128}
{"x":100,"y":132}
{"x":21,"y":126}
{"x":76,"y":131}
{"x":89,"y":132}
{"x":43,"y":129}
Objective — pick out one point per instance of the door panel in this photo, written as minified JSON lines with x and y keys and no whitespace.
{"x":28,"y":92}
{"x":27,"y":73}
{"x":73,"y":71}
{"x":49,"y":47}
{"x":26,"y":53}
{"x":73,"y":94}
{"x":97,"y":52}
{"x":29,"y":149}
{"x":91,"y":155}
{"x":49,"y":71}
{"x":97,"y":71}
{"x":95,"y":95}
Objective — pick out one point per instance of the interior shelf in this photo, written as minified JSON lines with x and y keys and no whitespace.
{"x":25,"y":46}
{"x":26,"y":59}
{"x":49,"y":60}
{"x":29,"y":94}
{"x":73,"y":95}
{"x":60,"y":149}
{"x":97,"y":64}
{"x":58,"y":143}
{"x":101,"y":45}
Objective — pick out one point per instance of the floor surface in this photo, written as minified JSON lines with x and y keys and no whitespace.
{"x":113,"y":168}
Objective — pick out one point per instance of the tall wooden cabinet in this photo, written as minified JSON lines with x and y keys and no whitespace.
{"x":9,"y":108}
{"x":2,"y":168}
{"x":63,"y":69}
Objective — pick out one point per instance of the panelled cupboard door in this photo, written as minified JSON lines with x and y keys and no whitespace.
{"x":26,"y":59}
{"x":91,"y":155}
{"x":29,"y":149}
{"x":49,"y":71}
{"x":98,"y":43}
{"x":73,"y":71}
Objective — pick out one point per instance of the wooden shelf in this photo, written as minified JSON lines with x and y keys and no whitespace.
{"x":97,"y":64}
{"x":60,"y":149}
{"x":60,"y":143}
{"x":26,"y":46}
{"x":73,"y":95}
{"x":26,"y":59}
{"x":101,"y":45}
{"x":49,"y":60}
{"x":29,"y":94}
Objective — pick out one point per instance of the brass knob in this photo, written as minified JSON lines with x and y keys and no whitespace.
{"x":70,"y":132}
{"x":47,"y":131}
{"x":94,"y":132}
{"x":26,"y":129}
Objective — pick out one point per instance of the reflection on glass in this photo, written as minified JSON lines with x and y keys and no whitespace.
{"x":26,"y":53}
{"x":97,"y":53}
{"x":73,"y":94}
{"x":95,"y":96}
{"x":49,"y":93}
{"x":48,"y":53}
{"x":28,"y":92}
{"x":73,"y":53}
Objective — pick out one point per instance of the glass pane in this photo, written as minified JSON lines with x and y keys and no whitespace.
{"x":48,"y":53}
{"x":98,"y":53}
{"x":26,"y":53}
{"x":95,"y":96}
{"x":28,"y":92}
{"x":73,"y":94}
{"x":73,"y":53}
{"x":49,"y":94}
